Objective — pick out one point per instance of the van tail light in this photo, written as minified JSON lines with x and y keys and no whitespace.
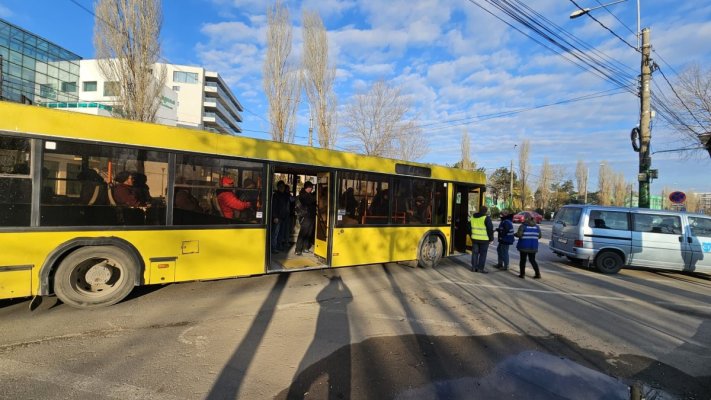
{"x":578,"y":243}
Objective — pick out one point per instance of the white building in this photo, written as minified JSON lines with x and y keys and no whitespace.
{"x":204,"y":99}
{"x":97,"y":96}
{"x":192,"y":97}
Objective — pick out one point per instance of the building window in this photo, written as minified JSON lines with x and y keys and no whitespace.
{"x":48,"y":92}
{"x":185,"y":77}
{"x":111,"y":88}
{"x":176,"y":88}
{"x":69,"y":87}
{"x":89,"y":86}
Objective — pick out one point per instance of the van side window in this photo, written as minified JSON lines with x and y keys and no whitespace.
{"x":656,"y":223}
{"x":700,"y":226}
{"x":569,"y":216}
{"x":608,"y":220}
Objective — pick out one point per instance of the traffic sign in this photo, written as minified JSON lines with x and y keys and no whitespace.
{"x":677,"y":197}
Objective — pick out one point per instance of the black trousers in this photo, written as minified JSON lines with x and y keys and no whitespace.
{"x":303,"y":241}
{"x":522,"y":263}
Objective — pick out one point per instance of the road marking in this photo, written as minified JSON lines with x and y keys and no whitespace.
{"x":583,"y":295}
{"x":84,"y":383}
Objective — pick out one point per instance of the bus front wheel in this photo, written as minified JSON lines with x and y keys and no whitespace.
{"x":94,"y":276}
{"x":430,"y":251}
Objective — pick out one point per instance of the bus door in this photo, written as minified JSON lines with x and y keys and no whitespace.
{"x":466,"y":201}
{"x":322,"y":215}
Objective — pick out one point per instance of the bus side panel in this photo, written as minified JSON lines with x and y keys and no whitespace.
{"x":15,"y":282}
{"x":199,"y":254}
{"x":357,"y":246}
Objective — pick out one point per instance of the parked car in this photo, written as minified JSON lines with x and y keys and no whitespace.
{"x":613,"y":237}
{"x":520,"y":217}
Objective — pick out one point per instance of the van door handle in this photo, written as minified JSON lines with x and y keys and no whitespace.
{"x":689,"y":240}
{"x":681,"y":238}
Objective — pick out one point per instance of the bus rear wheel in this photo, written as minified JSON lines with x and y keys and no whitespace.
{"x":94,"y":276}
{"x":430,"y":251}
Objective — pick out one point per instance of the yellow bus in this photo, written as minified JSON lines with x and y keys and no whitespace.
{"x":71,"y":225}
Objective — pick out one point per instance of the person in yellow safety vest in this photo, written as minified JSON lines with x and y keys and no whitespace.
{"x":481,"y":231}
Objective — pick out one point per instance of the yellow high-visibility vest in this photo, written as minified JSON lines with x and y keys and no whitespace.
{"x":479,"y":228}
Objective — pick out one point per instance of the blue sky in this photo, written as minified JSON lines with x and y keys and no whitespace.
{"x":454,"y":61}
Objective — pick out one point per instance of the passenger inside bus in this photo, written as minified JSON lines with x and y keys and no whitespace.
{"x":380,"y":204}
{"x":94,"y":190}
{"x":227,"y":200}
{"x":123,"y":191}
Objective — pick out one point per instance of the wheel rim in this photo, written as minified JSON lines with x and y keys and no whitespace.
{"x":430,"y":252}
{"x":609,"y":262}
{"x":96,"y":277}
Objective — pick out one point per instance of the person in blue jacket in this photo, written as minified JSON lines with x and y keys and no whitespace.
{"x":506,"y":239}
{"x":528,"y":235}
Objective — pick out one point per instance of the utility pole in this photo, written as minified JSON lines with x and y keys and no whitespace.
{"x":645,"y":136}
{"x":511,"y":187}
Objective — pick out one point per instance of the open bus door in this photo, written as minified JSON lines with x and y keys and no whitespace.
{"x":466,"y":201}
{"x":322,"y":215}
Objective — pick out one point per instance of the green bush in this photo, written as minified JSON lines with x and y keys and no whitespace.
{"x":494,"y":212}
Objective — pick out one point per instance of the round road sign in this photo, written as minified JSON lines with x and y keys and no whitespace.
{"x":677,"y":197}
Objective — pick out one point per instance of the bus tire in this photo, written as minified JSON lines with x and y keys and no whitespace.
{"x":608,"y":262}
{"x":430,"y":251}
{"x":95,"y":276}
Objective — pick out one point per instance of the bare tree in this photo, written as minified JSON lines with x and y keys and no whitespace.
{"x":318,"y":78}
{"x":619,"y":189}
{"x":126,"y":36}
{"x":691,"y":113}
{"x":280,"y":77}
{"x":604,"y":184}
{"x":411,"y":144}
{"x":466,"y":151}
{"x":544,"y":183}
{"x":581,"y":177}
{"x":376,"y":120}
{"x":692,"y":202}
{"x":523,"y":168}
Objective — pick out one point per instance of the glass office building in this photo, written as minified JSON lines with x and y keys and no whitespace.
{"x":34,"y":70}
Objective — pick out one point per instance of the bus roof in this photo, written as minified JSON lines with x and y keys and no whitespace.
{"x":34,"y":120}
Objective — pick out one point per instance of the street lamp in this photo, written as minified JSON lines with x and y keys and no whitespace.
{"x":582,"y":11}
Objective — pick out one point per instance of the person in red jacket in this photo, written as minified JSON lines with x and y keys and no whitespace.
{"x":229,"y":203}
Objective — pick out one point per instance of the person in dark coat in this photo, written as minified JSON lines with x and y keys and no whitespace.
{"x":481,"y":231}
{"x":506,"y":239}
{"x":308,"y":219}
{"x":528,"y":235}
{"x":140,"y":187}
{"x":280,"y":212}
{"x":94,"y":190}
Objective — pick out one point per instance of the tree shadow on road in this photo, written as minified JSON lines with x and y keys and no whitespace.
{"x":227,"y":385}
{"x":330,"y":380}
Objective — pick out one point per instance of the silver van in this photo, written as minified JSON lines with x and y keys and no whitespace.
{"x":613,"y":237}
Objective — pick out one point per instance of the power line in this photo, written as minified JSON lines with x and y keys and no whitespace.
{"x":608,"y":29}
{"x":615,"y":16}
{"x":478,"y":118}
{"x":588,"y":59}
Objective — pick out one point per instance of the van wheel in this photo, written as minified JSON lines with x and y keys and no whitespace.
{"x":430,"y":251}
{"x":608,"y":262}
{"x":95,"y":276}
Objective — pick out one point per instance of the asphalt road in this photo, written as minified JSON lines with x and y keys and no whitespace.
{"x":374,"y":332}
